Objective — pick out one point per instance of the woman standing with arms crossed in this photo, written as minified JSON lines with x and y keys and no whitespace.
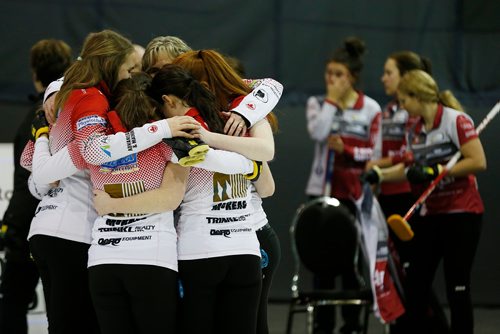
{"x":346,"y":123}
{"x":449,"y":224}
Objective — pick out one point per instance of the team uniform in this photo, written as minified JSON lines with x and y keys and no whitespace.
{"x":358,"y":127}
{"x":61,"y":230}
{"x":449,"y":224}
{"x":127,"y":247}
{"x":395,"y":197}
{"x":219,"y":254}
{"x":395,"y":122}
{"x":269,"y":242}
{"x":82,"y":126}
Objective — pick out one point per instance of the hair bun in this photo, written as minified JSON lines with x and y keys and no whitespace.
{"x":354,"y":46}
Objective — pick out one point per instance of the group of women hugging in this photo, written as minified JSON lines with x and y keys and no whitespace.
{"x":151,"y":184}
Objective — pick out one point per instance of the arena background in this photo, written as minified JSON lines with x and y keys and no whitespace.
{"x":289,"y":41}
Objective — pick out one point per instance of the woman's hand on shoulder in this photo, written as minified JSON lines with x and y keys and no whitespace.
{"x":183,"y":126}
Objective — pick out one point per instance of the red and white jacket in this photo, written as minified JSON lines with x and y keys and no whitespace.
{"x":451,"y":130}
{"x":395,"y":124}
{"x":358,"y":128}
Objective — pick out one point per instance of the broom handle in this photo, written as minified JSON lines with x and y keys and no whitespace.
{"x":486,"y":120}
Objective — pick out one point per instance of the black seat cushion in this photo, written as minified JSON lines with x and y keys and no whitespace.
{"x":326,"y":238}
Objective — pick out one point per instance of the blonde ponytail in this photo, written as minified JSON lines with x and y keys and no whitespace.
{"x":447,"y":99}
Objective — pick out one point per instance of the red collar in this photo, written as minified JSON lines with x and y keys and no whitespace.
{"x":359,"y":102}
{"x":193,"y":112}
{"x":103,"y":87}
{"x":439,"y":116}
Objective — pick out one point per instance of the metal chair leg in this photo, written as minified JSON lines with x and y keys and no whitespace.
{"x":291,"y":314}
{"x":367,"y":317}
{"x":310,"y":319}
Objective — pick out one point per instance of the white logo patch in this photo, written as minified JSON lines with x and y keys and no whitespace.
{"x":90,"y":120}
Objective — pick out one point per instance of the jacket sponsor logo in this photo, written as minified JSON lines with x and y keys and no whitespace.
{"x":105,"y":149}
{"x":126,"y":164}
{"x":44,"y":208}
{"x":229,"y":187}
{"x":109,"y":241}
{"x":227,"y":232}
{"x":54,"y":192}
{"x":233,"y":205}
{"x":222,"y":220}
{"x":89,"y":121}
{"x":261,"y":95}
{"x":122,"y":222}
{"x":131,"y":142}
{"x":127,"y":228}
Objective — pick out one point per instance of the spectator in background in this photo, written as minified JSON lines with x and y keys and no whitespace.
{"x":49,"y":58}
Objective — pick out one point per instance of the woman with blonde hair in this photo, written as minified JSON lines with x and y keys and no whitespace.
{"x":449,"y":224}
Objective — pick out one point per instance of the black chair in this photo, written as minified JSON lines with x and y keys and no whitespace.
{"x":326,"y":241}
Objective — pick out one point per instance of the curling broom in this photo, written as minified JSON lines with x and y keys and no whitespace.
{"x":399,"y":224}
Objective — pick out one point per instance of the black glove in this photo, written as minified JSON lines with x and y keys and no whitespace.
{"x":188,"y":151}
{"x":257,"y":169}
{"x":418,"y":174}
{"x":39,"y":125}
{"x":372,"y":176}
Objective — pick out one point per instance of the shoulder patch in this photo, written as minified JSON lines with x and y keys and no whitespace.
{"x":90,"y":120}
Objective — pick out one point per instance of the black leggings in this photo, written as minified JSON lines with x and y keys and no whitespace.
{"x":17,"y":288}
{"x":62,"y":265}
{"x":221,"y":294}
{"x":454,"y":239}
{"x":270,"y":244}
{"x":134,"y":299}
{"x":400,"y":204}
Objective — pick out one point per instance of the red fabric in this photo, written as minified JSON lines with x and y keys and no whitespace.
{"x":116,"y":122}
{"x":465,"y":130}
{"x":193,"y":112}
{"x":389,"y":303}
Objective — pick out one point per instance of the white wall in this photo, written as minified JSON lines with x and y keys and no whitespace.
{"x":6,"y":175}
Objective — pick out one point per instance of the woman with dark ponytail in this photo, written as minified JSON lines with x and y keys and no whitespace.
{"x":396,"y":197}
{"x":346,"y":123}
